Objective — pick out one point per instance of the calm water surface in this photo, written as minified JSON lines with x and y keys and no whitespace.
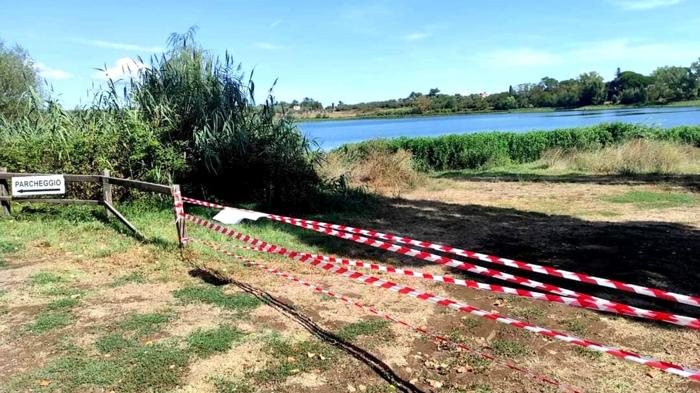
{"x":333,"y":133}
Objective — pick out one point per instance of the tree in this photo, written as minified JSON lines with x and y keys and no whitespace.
{"x":592,"y":89}
{"x":695,"y":74}
{"x":549,"y":83}
{"x":18,"y":81}
{"x":673,"y":83}
{"x":433,"y":92}
{"x":628,"y":80}
{"x":502,"y":101}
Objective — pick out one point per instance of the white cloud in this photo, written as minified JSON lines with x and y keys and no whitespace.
{"x":267,"y":45}
{"x":124,"y":67}
{"x":47,"y":72}
{"x":645,"y":4}
{"x":121,"y":46}
{"x":275,"y":23}
{"x":519,"y":57}
{"x":415,"y":36}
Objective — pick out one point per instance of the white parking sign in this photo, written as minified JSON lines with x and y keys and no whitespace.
{"x":38,"y":185}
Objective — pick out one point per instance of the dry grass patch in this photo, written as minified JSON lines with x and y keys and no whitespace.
{"x":378,"y":170}
{"x":639,"y":156}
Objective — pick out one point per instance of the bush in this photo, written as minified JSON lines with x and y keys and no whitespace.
{"x":86,"y":142}
{"x":480,"y":150}
{"x":376,"y":169}
{"x":189,"y":118}
{"x":239,"y":150}
{"x":638,"y":156}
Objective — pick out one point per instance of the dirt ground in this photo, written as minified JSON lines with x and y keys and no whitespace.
{"x":574,"y":226}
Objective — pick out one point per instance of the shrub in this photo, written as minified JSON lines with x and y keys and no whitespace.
{"x":190,"y":118}
{"x":238,"y":150}
{"x":381,"y":171}
{"x":479,"y":150}
{"x":638,"y":156}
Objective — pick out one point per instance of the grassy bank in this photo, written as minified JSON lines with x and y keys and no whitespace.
{"x":491,"y":149}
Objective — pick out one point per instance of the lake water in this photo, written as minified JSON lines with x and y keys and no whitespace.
{"x":333,"y":133}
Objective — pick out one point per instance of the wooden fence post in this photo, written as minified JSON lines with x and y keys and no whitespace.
{"x":179,"y":209}
{"x":106,"y":191}
{"x":4,"y":191}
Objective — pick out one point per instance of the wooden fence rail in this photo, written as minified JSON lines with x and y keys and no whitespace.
{"x":105,"y":181}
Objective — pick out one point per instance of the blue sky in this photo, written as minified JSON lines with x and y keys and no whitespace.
{"x":360,"y":50}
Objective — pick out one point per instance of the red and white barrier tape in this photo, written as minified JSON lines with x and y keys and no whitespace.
{"x":531,"y":374}
{"x":546,"y":270}
{"x":605,"y":305}
{"x":667,"y":367}
{"x":598,"y":303}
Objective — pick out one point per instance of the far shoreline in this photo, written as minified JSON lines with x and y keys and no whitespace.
{"x":679,"y":104}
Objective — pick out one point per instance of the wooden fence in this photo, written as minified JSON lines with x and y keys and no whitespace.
{"x":105,"y":181}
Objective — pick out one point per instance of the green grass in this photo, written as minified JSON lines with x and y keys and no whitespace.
{"x":374,"y":327}
{"x":471,"y":323}
{"x":223,"y":385}
{"x":574,"y":326}
{"x":145,"y":324}
{"x":653,"y":200}
{"x":62,"y":304}
{"x":509,"y":348}
{"x":478,"y":363}
{"x":7,"y":247}
{"x":293,"y":358}
{"x":46,"y":321}
{"x":113,"y":343}
{"x":63,"y":291}
{"x":131,"y":278}
{"x":240,"y":303}
{"x":207,"y":342}
{"x":46,"y":278}
{"x":480,"y":388}
{"x":156,"y":367}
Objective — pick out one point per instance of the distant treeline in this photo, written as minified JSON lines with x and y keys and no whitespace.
{"x":664,"y":85}
{"x":478,"y":150}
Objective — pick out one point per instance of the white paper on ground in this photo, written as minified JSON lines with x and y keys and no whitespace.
{"x":234,"y":216}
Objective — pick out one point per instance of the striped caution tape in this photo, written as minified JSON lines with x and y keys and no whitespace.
{"x":603,"y":305}
{"x":667,"y":367}
{"x":560,"y":273}
{"x":370,"y":309}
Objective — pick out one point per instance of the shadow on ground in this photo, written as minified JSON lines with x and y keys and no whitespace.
{"x":655,"y":254}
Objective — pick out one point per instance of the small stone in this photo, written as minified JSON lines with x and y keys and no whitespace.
{"x":351,"y":388}
{"x":321,"y":357}
{"x":310,"y":355}
{"x":362,"y":388}
{"x":463,"y":369}
{"x":44,"y":382}
{"x":434,"y":383}
{"x":172,"y":366}
{"x":413,"y":381}
{"x":290,"y":358}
